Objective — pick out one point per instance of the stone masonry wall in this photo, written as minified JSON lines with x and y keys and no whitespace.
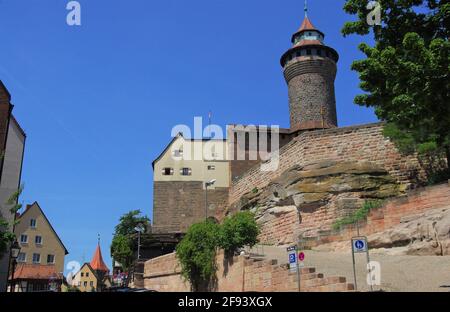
{"x":177,"y":205}
{"x":284,"y":228}
{"x":393,"y":213}
{"x":242,"y":275}
{"x":357,"y":143}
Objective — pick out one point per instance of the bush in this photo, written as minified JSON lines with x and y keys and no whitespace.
{"x":359,"y":215}
{"x":197,"y":251}
{"x":238,"y":231}
{"x":197,"y":254}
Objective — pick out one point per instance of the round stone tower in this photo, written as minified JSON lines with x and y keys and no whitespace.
{"x":310,"y":70}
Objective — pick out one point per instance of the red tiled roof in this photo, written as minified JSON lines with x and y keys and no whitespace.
{"x":307,"y":25}
{"x":308,"y":42}
{"x":36,"y":271}
{"x":97,"y":262}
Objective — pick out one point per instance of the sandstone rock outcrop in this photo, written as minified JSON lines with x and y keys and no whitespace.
{"x":319,"y":193}
{"x":423,"y":234}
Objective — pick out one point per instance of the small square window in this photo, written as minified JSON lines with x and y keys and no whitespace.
{"x":38,"y":240}
{"x":308,"y":52}
{"x":50,"y":259}
{"x":167,"y":171}
{"x":82,"y":274}
{"x":33,"y":223}
{"x":178,"y":153}
{"x":211,"y":167}
{"x":87,"y":274}
{"x":24,"y":239}
{"x":22,"y":257}
{"x":186,"y":171}
{"x":36,"y":258}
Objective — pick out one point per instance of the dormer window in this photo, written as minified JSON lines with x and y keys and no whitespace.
{"x":167,"y":171}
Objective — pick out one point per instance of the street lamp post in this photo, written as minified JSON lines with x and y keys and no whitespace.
{"x":139,"y":229}
{"x":208,"y":184}
{"x":15,"y":250}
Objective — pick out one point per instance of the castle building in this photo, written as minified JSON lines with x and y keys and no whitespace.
{"x":310,"y":70}
{"x":179,"y":186}
{"x":181,"y":172}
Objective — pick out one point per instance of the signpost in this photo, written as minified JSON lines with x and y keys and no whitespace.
{"x":294,"y":265}
{"x":359,"y":245}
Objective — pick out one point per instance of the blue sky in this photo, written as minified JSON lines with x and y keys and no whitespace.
{"x":98,"y":101}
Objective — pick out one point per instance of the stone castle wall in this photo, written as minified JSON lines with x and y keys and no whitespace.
{"x":241,"y":274}
{"x":177,"y":205}
{"x":356,"y":143}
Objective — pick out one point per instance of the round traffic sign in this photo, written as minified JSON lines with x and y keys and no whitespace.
{"x":301,"y":256}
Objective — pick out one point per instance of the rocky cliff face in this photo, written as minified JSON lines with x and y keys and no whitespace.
{"x":309,"y":199}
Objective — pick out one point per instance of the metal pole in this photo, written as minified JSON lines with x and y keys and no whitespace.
{"x":139,"y":246}
{"x":370,"y":269}
{"x":354,"y":267}
{"x":13,"y":285}
{"x":298,"y":273}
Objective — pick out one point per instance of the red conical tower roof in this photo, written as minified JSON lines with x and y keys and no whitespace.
{"x":97,"y":262}
{"x":306,"y":25}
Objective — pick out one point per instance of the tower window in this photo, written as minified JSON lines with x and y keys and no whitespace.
{"x":308,"y":52}
{"x":167,"y":171}
{"x":319,"y":52}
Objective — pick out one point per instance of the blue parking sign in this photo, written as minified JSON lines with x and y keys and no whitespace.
{"x":292,"y":258}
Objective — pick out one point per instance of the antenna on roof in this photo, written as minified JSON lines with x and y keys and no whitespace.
{"x":306,"y":8}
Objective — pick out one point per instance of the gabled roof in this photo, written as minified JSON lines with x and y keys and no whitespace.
{"x":4,"y":93}
{"x":97,"y":262}
{"x":36,"y":272}
{"x":35,"y":204}
{"x":180,"y":135}
{"x":90,"y":269}
{"x":14,"y":120}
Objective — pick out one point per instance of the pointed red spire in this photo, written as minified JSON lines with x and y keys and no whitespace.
{"x":306,"y":25}
{"x":97,"y":262}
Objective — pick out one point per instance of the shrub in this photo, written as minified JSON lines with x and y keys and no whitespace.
{"x":359,"y":215}
{"x":197,"y":254}
{"x":238,"y":231}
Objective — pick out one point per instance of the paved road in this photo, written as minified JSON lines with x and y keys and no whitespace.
{"x":398,"y":273}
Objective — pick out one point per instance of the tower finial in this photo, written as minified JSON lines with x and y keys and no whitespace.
{"x":306,"y":8}
{"x":98,"y":239}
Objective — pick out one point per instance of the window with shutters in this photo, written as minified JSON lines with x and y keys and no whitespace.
{"x":186,"y":171}
{"x":167,"y":171}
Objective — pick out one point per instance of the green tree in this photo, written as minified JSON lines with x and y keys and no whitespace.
{"x":122,"y":251}
{"x":6,"y":236}
{"x":238,"y":231}
{"x":129,"y":221}
{"x":405,"y":75}
{"x":197,"y":254}
{"x":123,"y":242}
